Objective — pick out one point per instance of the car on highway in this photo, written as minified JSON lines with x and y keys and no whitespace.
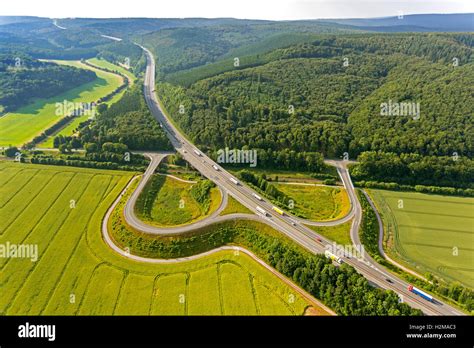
{"x":319,"y":239}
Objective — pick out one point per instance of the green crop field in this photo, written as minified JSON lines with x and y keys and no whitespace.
{"x":318,"y":203}
{"x":429,"y":233}
{"x":101,"y":63}
{"x":19,"y":127}
{"x":111,"y":82}
{"x":166,"y":201}
{"x":60,"y":210}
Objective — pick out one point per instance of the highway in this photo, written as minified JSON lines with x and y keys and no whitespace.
{"x":295,"y":230}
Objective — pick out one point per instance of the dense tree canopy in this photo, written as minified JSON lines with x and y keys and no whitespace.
{"x":128,"y":122}
{"x":327,"y":97}
{"x":415,"y":169}
{"x":23,"y":78}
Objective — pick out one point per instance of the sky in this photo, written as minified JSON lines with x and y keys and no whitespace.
{"x":250,"y":9}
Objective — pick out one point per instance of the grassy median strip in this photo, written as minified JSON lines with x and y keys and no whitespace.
{"x":235,"y":207}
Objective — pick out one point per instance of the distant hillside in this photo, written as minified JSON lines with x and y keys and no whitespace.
{"x":185,"y":48}
{"x":303,"y":99}
{"x":4,"y":20}
{"x":462,"y":22}
{"x":432,"y":46}
{"x":127,"y":27}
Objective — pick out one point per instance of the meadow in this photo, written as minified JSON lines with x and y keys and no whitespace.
{"x":429,"y":233}
{"x":112,"y":81}
{"x":317,"y":203}
{"x":341,"y":234}
{"x":166,"y":201}
{"x":21,"y":126}
{"x":60,"y":210}
{"x":101,"y":63}
{"x":235,"y":207}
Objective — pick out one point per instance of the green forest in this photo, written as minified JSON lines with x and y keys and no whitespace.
{"x":326,"y":97}
{"x":128,"y":122}
{"x":23,"y":78}
{"x":186,"y":48}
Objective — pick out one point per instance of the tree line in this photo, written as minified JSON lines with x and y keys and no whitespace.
{"x":23,"y":78}
{"x":413,"y":169}
{"x":260,"y":182}
{"x":129,"y":122}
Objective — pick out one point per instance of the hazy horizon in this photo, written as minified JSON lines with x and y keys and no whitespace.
{"x":282,"y":10}
{"x":256,"y":19}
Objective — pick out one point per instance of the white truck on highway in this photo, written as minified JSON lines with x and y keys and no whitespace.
{"x":262,"y":211}
{"x":257,"y":196}
{"x":197,"y":152}
{"x":234,"y":181}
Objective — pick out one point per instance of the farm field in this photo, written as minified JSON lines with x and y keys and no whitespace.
{"x":166,"y":201}
{"x":318,"y":203}
{"x":112,"y":81}
{"x":60,"y":210}
{"x":23,"y":125}
{"x":102,"y":63}
{"x":429,"y":233}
